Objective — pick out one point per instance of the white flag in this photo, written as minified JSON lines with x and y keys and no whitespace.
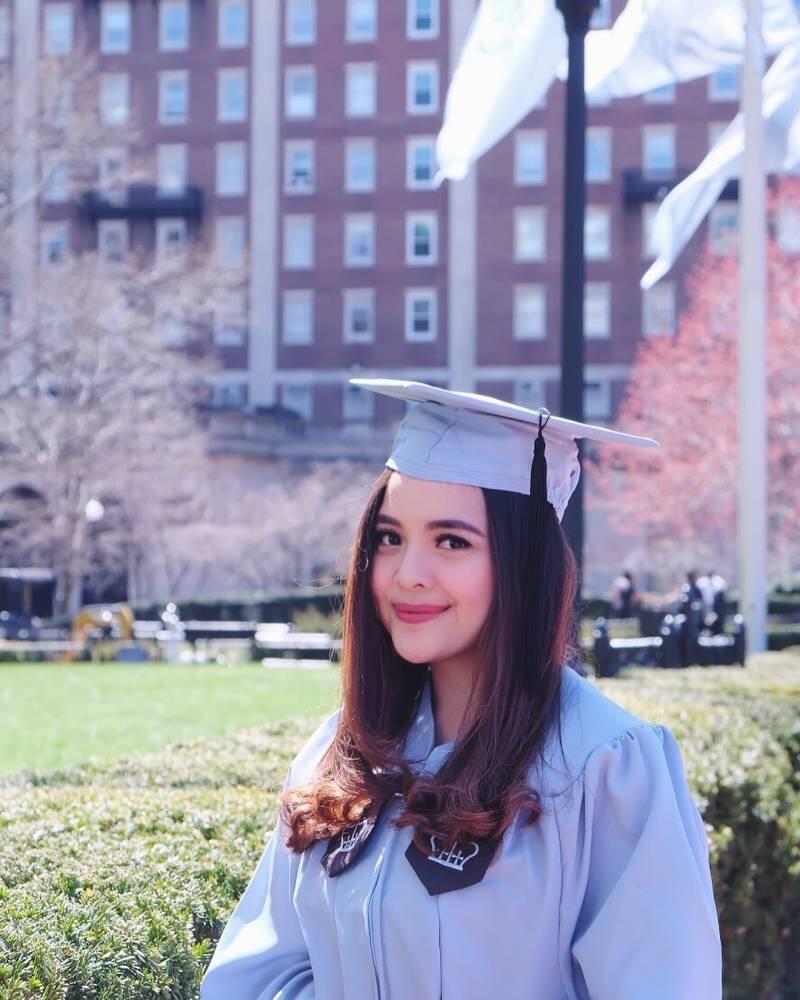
{"x":685,"y":207}
{"x":507,"y":65}
{"x":658,"y":42}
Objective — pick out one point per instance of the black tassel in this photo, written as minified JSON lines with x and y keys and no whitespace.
{"x":537,"y":522}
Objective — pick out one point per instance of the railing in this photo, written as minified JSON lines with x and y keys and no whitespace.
{"x":143,"y":201}
{"x":639,"y":186}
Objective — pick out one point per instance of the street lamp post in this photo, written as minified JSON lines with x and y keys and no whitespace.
{"x":577,"y":15}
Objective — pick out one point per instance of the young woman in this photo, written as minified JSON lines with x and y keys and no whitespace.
{"x":477,"y":820}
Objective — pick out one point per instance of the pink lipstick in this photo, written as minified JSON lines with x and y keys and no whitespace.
{"x":415,"y":613}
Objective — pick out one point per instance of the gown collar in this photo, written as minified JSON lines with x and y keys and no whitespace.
{"x":419,"y":749}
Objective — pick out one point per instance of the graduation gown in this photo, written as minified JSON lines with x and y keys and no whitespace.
{"x":608,"y":896}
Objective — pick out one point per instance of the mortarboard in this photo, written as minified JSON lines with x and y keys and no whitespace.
{"x":463,"y":437}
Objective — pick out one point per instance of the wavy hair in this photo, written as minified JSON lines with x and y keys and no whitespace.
{"x":522,"y":647}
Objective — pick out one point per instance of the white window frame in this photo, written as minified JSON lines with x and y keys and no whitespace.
{"x":115,"y":98}
{"x":601,"y":18}
{"x":113,"y":183}
{"x":532,"y":290}
{"x":51,"y":233}
{"x":232,"y":82}
{"x":664,"y":289}
{"x":230,"y":241}
{"x":529,"y":392}
{"x":354,"y":299}
{"x":298,"y":257}
{"x":165,"y":251}
{"x":230,"y":318}
{"x":412,"y":70}
{"x":521,"y":213}
{"x":305,"y":394}
{"x":366,"y":73}
{"x":594,"y":215}
{"x":351,"y":147}
{"x":56,"y":180}
{"x":649,"y":210}
{"x":165,"y":10}
{"x":414,"y":219}
{"x":369,"y":35}
{"x":717,"y":84}
{"x":292,"y":148}
{"x":166,"y":78}
{"x":297,"y":336}
{"x":597,"y":399}
{"x":664,"y":94}
{"x":170,"y":156}
{"x":787,"y":228}
{"x":293,"y":9}
{"x":537,"y":137}
{"x":602,"y":330}
{"x":651,"y":133}
{"x":602,"y":135}
{"x":430,"y":296}
{"x":353,"y":222}
{"x":107,"y":226}
{"x":5,"y":33}
{"x":358,"y":405}
{"x":227,"y":189}
{"x":414,"y":143}
{"x":58,"y":42}
{"x":722,"y":238}
{"x":412,"y":10}
{"x":108,"y":8}
{"x":291,"y":74}
{"x":226,"y":38}
{"x":230,"y":394}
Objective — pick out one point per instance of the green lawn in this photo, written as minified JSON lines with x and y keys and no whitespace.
{"x":56,"y":715}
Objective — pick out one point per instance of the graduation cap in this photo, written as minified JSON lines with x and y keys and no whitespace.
{"x":463,"y":437}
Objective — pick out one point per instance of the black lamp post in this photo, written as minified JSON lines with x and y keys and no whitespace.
{"x":577,"y":15}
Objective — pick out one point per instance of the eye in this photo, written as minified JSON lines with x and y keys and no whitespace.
{"x":387,"y":538}
{"x":455,"y":542}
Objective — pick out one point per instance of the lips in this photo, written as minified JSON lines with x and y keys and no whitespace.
{"x":416,"y":613}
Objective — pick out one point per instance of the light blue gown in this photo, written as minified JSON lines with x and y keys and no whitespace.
{"x":607,"y":897}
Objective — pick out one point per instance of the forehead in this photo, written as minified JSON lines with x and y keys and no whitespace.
{"x":407,"y":498}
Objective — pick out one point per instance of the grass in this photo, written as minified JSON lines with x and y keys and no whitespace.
{"x":57,"y":715}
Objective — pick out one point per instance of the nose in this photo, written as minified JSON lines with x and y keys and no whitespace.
{"x":414,"y":569}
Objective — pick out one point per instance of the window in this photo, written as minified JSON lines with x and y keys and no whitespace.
{"x":359,"y":165}
{"x":357,"y":404}
{"x":597,"y":233}
{"x":715,"y":130}
{"x":598,"y":154}
{"x":658,"y":152}
{"x":172,"y":168}
{"x":230,"y":318}
{"x":529,"y":312}
{"x":5,"y":33}
{"x":170,"y":239}
{"x":359,"y":315}
{"x":723,"y":227}
{"x":300,"y":95}
{"x":787,"y":228}
{"x":114,"y":98}
{"x":230,"y":241}
{"x":597,"y":309}
{"x":724,"y":84}
{"x":423,"y":18}
{"x":115,"y":26}
{"x":661,"y":95}
{"x":230,"y":395}
{"x":301,"y":22}
{"x":597,"y":400}
{"x":529,"y":233}
{"x":602,"y":16}
{"x":231,"y":168}
{"x":649,"y":212}
{"x":529,"y":393}
{"x":362,"y":20}
{"x":55,"y":179}
{"x":54,"y":238}
{"x":62,"y":103}
{"x":420,"y":162}
{"x":359,"y":240}
{"x":298,"y":242}
{"x":658,"y":309}
{"x":299,"y":399}
{"x":232,"y":95}
{"x":173,"y":25}
{"x":422,"y":88}
{"x":420,"y":314}
{"x":232,"y":24}
{"x":112,"y":240}
{"x":421,"y":238}
{"x":113,"y":172}
{"x":298,"y":176}
{"x":298,"y":317}
{"x":173,"y":97}
{"x":58,"y":29}
{"x":530,"y":157}
{"x":360,"y":90}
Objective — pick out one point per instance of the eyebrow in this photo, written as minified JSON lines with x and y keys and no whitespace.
{"x":432,"y":525}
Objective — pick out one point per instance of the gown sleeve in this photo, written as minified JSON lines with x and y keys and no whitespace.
{"x":638,"y":900}
{"x":262,"y":954}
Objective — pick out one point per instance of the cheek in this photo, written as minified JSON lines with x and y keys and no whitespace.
{"x":473,"y":586}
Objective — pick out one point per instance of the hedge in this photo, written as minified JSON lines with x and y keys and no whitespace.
{"x":115,"y":882}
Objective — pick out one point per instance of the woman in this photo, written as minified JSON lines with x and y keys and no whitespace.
{"x":477,"y":819}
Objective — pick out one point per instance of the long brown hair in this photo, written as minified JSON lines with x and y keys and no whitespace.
{"x":482,"y":784}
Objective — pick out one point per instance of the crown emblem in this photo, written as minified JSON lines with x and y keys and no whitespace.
{"x":350,"y":839}
{"x":456,"y":857}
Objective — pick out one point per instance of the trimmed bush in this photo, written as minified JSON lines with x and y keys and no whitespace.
{"x":115,"y":882}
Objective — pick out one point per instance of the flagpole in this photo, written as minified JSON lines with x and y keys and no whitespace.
{"x":577,"y":15}
{"x":752,"y":528}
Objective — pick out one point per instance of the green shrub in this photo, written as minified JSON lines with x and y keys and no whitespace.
{"x":116,"y":881}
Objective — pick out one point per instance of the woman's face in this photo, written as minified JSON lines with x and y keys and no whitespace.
{"x":432,"y":576}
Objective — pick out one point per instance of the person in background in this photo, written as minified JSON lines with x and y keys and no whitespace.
{"x":623,"y":595}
